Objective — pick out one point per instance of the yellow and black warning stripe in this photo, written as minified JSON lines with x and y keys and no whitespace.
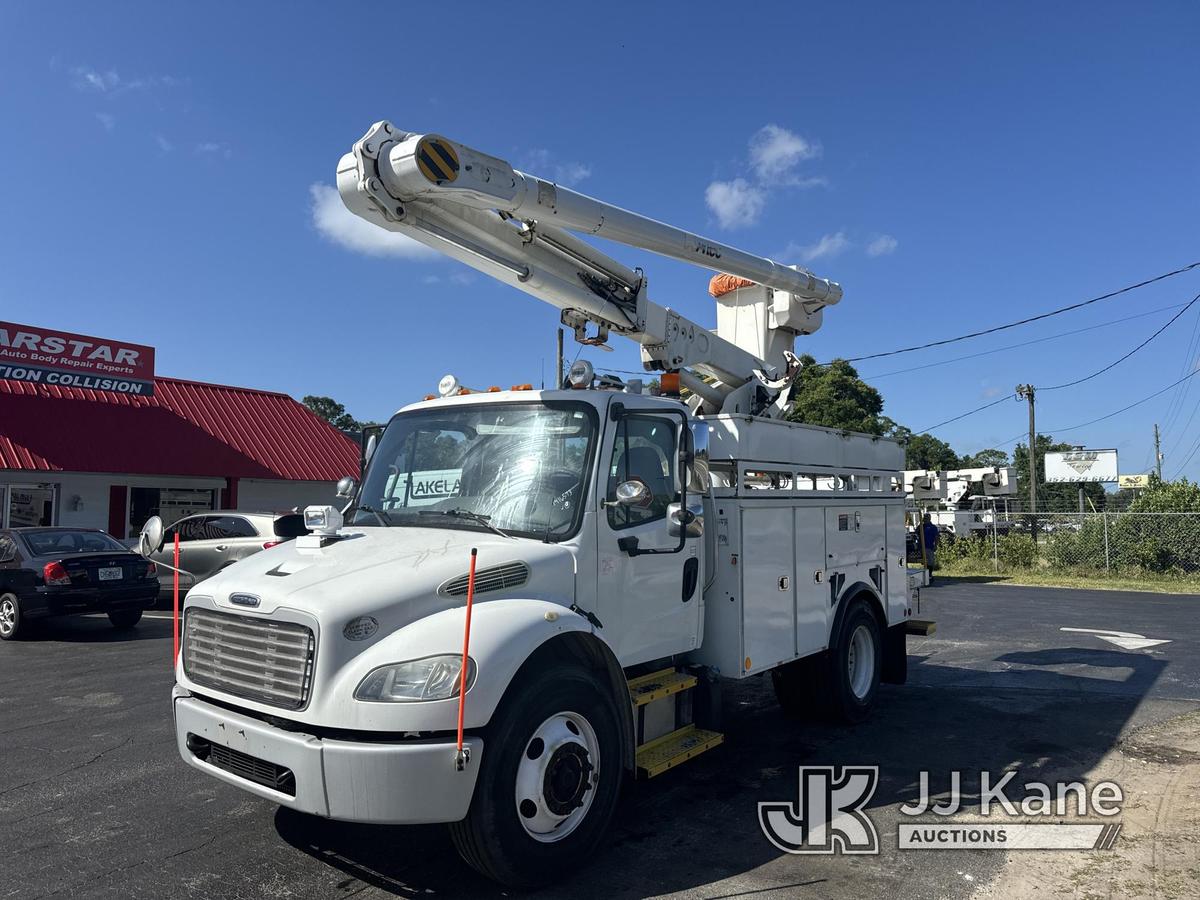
{"x":437,"y":160}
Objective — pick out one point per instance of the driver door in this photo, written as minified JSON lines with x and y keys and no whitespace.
{"x":641,"y":593}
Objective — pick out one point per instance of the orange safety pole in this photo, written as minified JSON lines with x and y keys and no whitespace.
{"x":175,"y":622}
{"x":460,"y":755}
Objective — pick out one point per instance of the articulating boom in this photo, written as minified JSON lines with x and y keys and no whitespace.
{"x":516,"y":228}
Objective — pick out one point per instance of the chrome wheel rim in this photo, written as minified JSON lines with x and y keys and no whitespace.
{"x":557,"y":777}
{"x":8,"y":617}
{"x":860,"y":661}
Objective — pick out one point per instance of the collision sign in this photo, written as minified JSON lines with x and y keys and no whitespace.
{"x":45,"y":356}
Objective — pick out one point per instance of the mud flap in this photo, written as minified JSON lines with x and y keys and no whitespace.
{"x":895,"y":655}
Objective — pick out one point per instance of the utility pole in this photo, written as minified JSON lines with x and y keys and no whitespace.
{"x":1158,"y":457}
{"x":1026,"y":391}
{"x":558,"y":372}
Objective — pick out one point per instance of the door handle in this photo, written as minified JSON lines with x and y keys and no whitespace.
{"x":222,"y":547}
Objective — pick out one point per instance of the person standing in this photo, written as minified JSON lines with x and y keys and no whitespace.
{"x":930,"y":535}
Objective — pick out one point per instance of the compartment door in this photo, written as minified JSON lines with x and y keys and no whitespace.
{"x":768,"y":587}
{"x":812,"y":596}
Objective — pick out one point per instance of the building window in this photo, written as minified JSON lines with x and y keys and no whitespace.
{"x":172,"y":504}
{"x":28,"y":504}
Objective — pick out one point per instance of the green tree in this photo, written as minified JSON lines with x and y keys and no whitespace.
{"x":1053,"y":497}
{"x":924,"y":451}
{"x":834,"y":396}
{"x":332,"y":412}
{"x":985,"y":459}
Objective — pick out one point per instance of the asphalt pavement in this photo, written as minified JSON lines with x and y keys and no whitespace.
{"x":94,"y":801}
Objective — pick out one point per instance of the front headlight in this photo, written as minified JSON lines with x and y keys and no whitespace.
{"x":432,"y":678}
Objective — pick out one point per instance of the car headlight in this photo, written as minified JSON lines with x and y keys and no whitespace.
{"x":431,"y":678}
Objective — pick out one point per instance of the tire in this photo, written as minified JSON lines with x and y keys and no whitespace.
{"x":564,"y":803}
{"x":855,"y":665}
{"x":125,"y":618}
{"x":12,"y":623}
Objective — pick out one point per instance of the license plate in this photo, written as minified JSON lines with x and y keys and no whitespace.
{"x":115,"y":573}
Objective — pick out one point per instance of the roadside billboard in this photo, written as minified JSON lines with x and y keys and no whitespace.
{"x":1126,"y":482}
{"x":64,"y":359}
{"x":1074,"y":466}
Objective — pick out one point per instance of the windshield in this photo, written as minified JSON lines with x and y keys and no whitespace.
{"x":48,"y":543}
{"x":522,"y":466}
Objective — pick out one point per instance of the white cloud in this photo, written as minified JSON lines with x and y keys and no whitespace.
{"x":775,"y":152}
{"x":338,"y":224}
{"x":109,"y":81}
{"x":882,"y":245}
{"x":163,"y":144}
{"x":462,"y":278}
{"x":87,"y":79}
{"x":543,"y":164}
{"x":108,"y":121}
{"x":828,"y":245}
{"x":735,"y":203}
{"x":214,"y":148}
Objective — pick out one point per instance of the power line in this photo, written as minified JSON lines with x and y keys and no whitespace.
{"x":1068,"y":384}
{"x":972,"y":412}
{"x":1026,"y":321}
{"x":1042,"y":340}
{"x":1192,"y":374}
{"x":1116,"y":363}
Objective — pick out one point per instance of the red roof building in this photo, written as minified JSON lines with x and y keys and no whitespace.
{"x":65,"y":452}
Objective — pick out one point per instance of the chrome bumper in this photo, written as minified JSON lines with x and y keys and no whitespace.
{"x":385,"y":783}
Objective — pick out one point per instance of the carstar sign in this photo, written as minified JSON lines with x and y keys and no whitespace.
{"x":44,"y":356}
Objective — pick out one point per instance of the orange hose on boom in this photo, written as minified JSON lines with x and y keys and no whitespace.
{"x":461,"y":756}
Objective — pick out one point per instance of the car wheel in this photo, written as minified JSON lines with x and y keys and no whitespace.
{"x":549,"y":780}
{"x":11,"y":623}
{"x":125,"y":618}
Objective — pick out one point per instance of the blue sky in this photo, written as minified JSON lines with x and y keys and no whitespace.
{"x":953,"y":165}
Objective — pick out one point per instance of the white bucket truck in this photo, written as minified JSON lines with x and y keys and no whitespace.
{"x":633,"y":550}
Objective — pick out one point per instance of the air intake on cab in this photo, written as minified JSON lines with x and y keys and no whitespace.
{"x":494,"y":578}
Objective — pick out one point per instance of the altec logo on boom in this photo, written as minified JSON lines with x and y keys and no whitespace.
{"x":44,"y":356}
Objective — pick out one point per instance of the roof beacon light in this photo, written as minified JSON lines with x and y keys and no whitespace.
{"x":448,"y":386}
{"x":581,"y":375}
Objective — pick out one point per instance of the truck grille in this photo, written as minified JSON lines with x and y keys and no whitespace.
{"x":260,"y":659}
{"x":493,"y":578}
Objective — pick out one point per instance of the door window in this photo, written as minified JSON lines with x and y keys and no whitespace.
{"x":644,"y":450}
{"x":225,"y":527}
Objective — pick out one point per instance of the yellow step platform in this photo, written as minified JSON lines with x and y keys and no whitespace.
{"x":670,"y":750}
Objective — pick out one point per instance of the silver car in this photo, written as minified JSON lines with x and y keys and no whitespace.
{"x":210,"y":541}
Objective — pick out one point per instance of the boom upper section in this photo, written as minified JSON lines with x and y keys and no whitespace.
{"x":517,"y":228}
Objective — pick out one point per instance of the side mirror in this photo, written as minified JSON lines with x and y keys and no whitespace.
{"x":631,"y":493}
{"x":150,"y":540}
{"x":347,"y":486}
{"x":372,"y":443}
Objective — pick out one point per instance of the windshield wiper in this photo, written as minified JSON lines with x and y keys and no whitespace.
{"x":460,"y":513}
{"x":380,"y":516}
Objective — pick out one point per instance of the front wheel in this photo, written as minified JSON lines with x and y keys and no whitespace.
{"x":549,"y":780}
{"x":125,"y":618}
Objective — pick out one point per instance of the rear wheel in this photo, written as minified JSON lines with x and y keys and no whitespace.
{"x":856,"y":664}
{"x":11,"y":622}
{"x":125,"y":618}
{"x":549,"y":779}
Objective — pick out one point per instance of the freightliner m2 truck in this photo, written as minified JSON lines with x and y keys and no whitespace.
{"x":632,"y":550}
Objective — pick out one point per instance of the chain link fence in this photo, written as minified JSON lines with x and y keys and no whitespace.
{"x":1115,"y":544}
